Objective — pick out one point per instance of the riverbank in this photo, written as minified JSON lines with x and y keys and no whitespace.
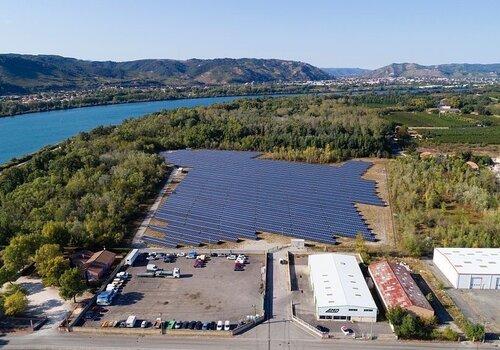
{"x":15,"y":106}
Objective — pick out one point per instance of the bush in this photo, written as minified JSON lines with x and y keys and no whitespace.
{"x":15,"y":304}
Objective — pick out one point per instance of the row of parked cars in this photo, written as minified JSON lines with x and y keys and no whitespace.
{"x":112,"y":289}
{"x":203,"y":326}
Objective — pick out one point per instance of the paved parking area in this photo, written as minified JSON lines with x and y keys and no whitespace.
{"x":303,"y":301}
{"x":214,"y":292}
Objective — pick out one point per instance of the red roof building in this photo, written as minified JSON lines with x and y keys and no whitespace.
{"x":396,"y":287}
{"x":99,"y":264}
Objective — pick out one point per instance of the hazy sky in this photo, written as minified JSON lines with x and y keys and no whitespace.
{"x":331,"y":33}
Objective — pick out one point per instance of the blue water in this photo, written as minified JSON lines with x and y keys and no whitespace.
{"x":26,"y":133}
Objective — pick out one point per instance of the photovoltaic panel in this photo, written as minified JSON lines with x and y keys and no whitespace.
{"x":231,"y":195}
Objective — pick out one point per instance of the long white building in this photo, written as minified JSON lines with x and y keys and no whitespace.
{"x":339,"y":288}
{"x":469,"y":268}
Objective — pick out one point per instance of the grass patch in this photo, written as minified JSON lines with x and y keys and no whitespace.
{"x":423,"y":119}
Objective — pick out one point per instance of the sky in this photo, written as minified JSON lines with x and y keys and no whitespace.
{"x":367,"y":34}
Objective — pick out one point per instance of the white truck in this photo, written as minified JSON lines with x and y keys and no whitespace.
{"x":130,"y":258}
{"x":131,"y":320}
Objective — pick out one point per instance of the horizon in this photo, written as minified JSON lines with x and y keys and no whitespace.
{"x":250,"y":58}
{"x":333,"y":34}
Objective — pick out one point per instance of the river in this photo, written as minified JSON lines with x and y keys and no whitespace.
{"x":27,"y":133}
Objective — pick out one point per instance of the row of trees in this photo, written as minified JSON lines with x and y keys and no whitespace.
{"x":442,"y":201}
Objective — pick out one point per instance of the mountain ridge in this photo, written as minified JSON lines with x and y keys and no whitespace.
{"x":32,"y":73}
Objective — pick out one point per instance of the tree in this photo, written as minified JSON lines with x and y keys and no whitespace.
{"x":44,"y":256}
{"x":55,"y":232}
{"x":55,"y":269}
{"x":409,"y":327}
{"x":71,"y":284}
{"x":15,"y":304}
{"x":19,"y":251}
{"x":6,"y":275}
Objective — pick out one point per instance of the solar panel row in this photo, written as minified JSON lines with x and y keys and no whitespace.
{"x":228,"y":195}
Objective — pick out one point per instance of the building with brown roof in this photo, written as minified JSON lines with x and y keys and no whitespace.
{"x":396,"y":287}
{"x":99,"y":264}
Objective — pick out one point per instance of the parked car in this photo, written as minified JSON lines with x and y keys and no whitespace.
{"x":227,"y":325}
{"x":322,"y":329}
{"x":214,"y":255}
{"x":192,"y":324}
{"x":191,"y":255}
{"x":178,"y":325}
{"x":212,"y":325}
{"x":239,"y":266}
{"x":221,"y":255}
{"x":123,"y":275}
{"x":283,"y":261}
{"x":198,"y":325}
{"x":181,"y":254}
{"x":231,"y":257}
{"x":198,"y":263}
{"x":144,"y":324}
{"x":204,"y":327}
{"x":168,"y":259}
{"x":220,"y":325}
{"x":345,"y":330}
{"x":185,"y":325}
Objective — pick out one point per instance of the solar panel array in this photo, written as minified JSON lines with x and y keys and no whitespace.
{"x":231,"y":195}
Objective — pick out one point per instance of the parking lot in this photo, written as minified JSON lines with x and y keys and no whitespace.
{"x":211,"y":293}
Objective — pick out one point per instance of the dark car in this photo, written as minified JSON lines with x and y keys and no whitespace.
{"x":322,"y":329}
{"x":239,"y":267}
{"x":213,"y":255}
{"x":185,"y":325}
{"x":198,"y":325}
{"x":198,"y":263}
{"x":211,"y":326}
{"x":192,"y":324}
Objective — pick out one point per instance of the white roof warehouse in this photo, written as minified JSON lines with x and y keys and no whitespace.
{"x":340,"y":290}
{"x":469,"y":268}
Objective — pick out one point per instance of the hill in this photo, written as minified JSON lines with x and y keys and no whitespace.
{"x":345,"y":72}
{"x":33,"y":73}
{"x":453,"y":70}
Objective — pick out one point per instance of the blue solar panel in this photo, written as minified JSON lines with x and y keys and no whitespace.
{"x":228,"y":195}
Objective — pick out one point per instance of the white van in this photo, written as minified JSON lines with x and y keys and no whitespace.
{"x":227,"y":325}
{"x":130,"y":323}
{"x":219,"y":325}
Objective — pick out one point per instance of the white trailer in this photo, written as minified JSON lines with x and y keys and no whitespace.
{"x":130,"y":258}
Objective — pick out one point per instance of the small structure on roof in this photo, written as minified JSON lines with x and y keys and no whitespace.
{"x":396,"y":287}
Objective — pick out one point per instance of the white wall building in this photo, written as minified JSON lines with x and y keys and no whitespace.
{"x":339,"y":288}
{"x":469,"y":268}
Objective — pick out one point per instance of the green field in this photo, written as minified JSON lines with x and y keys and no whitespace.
{"x":462,"y":127}
{"x":471,"y":135}
{"x":423,"y":119}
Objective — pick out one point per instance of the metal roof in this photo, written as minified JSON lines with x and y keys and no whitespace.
{"x":228,"y":195}
{"x":337,"y":281}
{"x":396,"y":286}
{"x":472,"y":260}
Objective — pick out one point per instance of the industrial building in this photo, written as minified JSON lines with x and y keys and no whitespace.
{"x":339,"y":288}
{"x":469,"y":268}
{"x":396,"y":287}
